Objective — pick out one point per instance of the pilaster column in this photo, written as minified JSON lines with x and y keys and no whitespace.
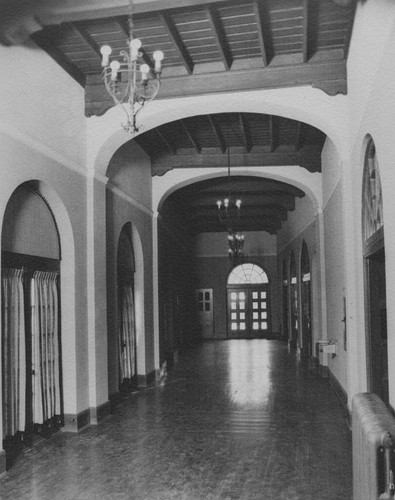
{"x":155,"y":286}
{"x":322,"y":269}
{"x":354,"y":293}
{"x":97,"y":295}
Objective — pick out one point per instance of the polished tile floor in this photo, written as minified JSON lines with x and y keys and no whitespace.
{"x":239,"y":419}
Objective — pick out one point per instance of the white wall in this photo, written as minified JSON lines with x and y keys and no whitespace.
{"x":129,"y":199}
{"x":42,"y":102}
{"x":333,"y":257}
{"x":303,"y":224}
{"x":371,"y":70}
{"x":256,"y":243}
{"x":29,"y":227}
{"x":39,"y":102}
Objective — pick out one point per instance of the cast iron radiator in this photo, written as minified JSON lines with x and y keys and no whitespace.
{"x":373,"y":448}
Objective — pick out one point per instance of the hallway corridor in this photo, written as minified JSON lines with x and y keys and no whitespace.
{"x":241,"y":419}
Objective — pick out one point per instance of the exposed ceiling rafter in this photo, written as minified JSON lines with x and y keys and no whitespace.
{"x":219,"y":36}
{"x":178,"y":43}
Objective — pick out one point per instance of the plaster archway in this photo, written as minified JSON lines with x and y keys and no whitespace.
{"x":306,"y":104}
{"x":139,"y":300}
{"x":67,"y":290}
{"x":298,"y":177}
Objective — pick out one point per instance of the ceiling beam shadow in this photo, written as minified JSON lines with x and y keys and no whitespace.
{"x":171,"y":30}
{"x":219,"y":35}
{"x":218,"y":133}
{"x":245,"y":130}
{"x":190,"y":137}
{"x":264,"y":32}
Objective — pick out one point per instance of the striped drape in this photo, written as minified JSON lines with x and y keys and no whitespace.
{"x":45,"y":346}
{"x":13,"y":353}
{"x":127,"y":340}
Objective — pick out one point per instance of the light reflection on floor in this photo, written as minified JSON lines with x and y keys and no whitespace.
{"x":250,"y":372}
{"x":235,"y":420}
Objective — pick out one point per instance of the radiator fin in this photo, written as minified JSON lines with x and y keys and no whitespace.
{"x":371,"y":423}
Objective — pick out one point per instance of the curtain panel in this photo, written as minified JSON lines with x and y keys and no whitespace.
{"x":13,"y":353}
{"x":127,"y":339}
{"x":45,"y":346}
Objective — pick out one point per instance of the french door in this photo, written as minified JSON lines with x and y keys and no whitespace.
{"x":31,"y":350}
{"x":377,"y":321}
{"x":307,"y":347}
{"x":248,"y":312}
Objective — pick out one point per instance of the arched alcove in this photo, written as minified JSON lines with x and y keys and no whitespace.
{"x":127,"y":355}
{"x":32,"y":374}
{"x":374,"y":274}
{"x":285,"y":298}
{"x":293,"y":310}
{"x":305,"y":278}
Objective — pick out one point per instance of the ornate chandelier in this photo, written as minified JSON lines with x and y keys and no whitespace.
{"x":229,"y":211}
{"x":236,"y":244}
{"x":133,"y":80}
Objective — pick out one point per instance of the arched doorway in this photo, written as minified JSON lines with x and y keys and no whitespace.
{"x":32,"y":392}
{"x":375,"y":287}
{"x":294,"y":319}
{"x":285,"y":331}
{"x":307,"y":340}
{"x":248,"y":291}
{"x":126,"y":311}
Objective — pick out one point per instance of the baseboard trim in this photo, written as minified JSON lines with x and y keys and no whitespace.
{"x":146,"y":380}
{"x":99,"y":413}
{"x":114,"y":400}
{"x":76,"y":422}
{"x":338,"y":390}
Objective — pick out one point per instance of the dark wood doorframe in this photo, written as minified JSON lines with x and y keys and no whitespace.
{"x":293,"y":303}
{"x":294,"y":316}
{"x":285,"y":312}
{"x":376,"y":316}
{"x":307,"y":340}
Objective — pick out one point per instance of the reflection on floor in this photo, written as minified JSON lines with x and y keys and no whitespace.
{"x":235,"y":420}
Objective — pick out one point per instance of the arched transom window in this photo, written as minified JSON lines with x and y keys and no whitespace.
{"x":248,"y":274}
{"x":372,"y":203}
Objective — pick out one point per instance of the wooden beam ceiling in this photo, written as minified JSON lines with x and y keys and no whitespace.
{"x":327,"y":76}
{"x":252,"y":139}
{"x":210,"y":46}
{"x":265,"y":203}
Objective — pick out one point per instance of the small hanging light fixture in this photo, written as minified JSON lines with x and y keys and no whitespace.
{"x":229,"y":210}
{"x":131,"y":80}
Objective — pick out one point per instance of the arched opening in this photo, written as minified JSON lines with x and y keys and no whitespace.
{"x":248,"y":292}
{"x":374,"y":276}
{"x":285,"y":330}
{"x":127,"y":356}
{"x":307,"y":340}
{"x":293,"y":312}
{"x":32,"y":392}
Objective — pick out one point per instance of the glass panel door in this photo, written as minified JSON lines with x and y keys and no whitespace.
{"x":204,"y":300}
{"x":248,"y":312}
{"x":259,"y":311}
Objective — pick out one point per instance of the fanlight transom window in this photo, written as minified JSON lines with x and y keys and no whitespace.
{"x":248,"y":274}
{"x":372,"y":202}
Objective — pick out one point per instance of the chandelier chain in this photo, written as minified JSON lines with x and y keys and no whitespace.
{"x":131,"y":82}
{"x":229,"y":210}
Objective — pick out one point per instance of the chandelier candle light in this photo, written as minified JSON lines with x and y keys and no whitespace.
{"x":132,"y":80}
